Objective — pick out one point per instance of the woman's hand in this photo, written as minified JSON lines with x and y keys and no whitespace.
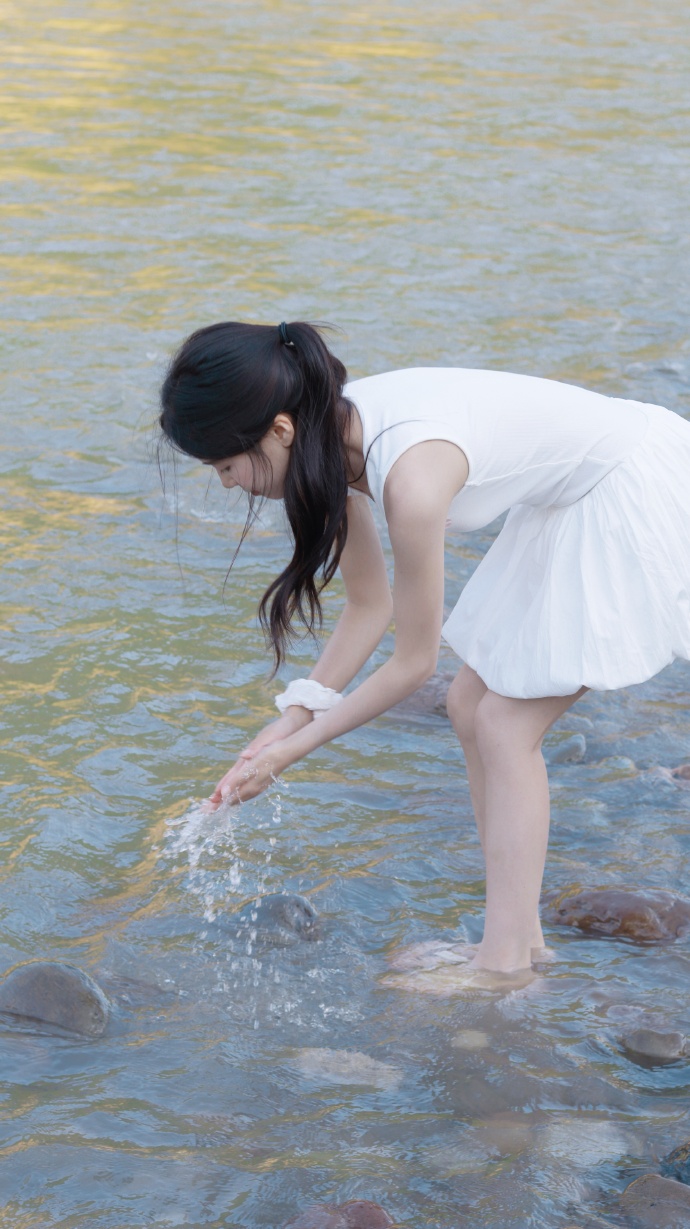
{"x":254,"y":769}
{"x":250,"y":777}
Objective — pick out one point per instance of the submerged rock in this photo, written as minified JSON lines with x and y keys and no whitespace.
{"x":356,"y":1214}
{"x":570,"y":750}
{"x":647,"y":916}
{"x":652,"y":1046}
{"x":277,"y":920}
{"x":682,"y":772}
{"x":677,"y":1164}
{"x":659,"y":1203}
{"x":429,"y":700}
{"x":54,"y":993}
{"x":584,"y":1142}
{"x":345,"y":1067}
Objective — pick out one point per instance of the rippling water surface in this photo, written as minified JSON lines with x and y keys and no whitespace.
{"x":500,"y":186}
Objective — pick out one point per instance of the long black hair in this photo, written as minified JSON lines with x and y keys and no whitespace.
{"x":219,"y":398}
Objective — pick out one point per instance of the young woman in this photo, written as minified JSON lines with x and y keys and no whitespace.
{"x":586,"y":586}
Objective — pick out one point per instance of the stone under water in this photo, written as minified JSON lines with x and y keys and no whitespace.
{"x":569,"y":750}
{"x":657,"y":1203}
{"x":345,"y":1067}
{"x":677,"y":1164}
{"x":356,"y":1214}
{"x":51,"y":992}
{"x":429,"y":700}
{"x":645,"y":916}
{"x":654,"y":1046}
{"x":278,"y":920}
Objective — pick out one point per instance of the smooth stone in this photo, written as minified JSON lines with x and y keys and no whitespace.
{"x":279,"y":919}
{"x":471,"y":1039}
{"x":570,"y":750}
{"x":355,"y":1214}
{"x":677,"y":1164}
{"x":682,"y":772}
{"x":659,"y":1203}
{"x":646,"y":916}
{"x":584,"y":1142}
{"x":55,"y":993}
{"x":654,"y":1046}
{"x":345,"y":1067}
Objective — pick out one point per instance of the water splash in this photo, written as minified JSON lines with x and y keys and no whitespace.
{"x":209,"y":842}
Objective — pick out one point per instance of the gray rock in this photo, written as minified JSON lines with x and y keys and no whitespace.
{"x":657,"y":1203}
{"x":570,"y":750}
{"x":278,"y":920}
{"x":345,"y":1067}
{"x":677,"y":1164}
{"x":55,"y":993}
{"x":653,"y":1047}
{"x":429,"y":700}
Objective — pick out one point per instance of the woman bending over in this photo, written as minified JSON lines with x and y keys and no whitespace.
{"x":586,"y":586}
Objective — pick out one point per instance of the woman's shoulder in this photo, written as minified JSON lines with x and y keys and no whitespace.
{"x":419,"y":380}
{"x":406,"y":375}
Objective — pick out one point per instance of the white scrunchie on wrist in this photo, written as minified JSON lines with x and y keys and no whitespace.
{"x":309,"y":694}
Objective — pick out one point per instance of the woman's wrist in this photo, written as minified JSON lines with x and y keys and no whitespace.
{"x":298,"y":716}
{"x":310,"y":694}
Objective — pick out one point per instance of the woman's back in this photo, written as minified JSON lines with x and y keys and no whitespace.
{"x":527,"y":440}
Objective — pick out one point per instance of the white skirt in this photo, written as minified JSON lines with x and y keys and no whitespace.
{"x":596,"y":593}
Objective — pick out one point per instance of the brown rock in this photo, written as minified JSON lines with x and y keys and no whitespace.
{"x":682,"y":772}
{"x":646,"y":916}
{"x":356,"y":1214}
{"x":659,"y":1203}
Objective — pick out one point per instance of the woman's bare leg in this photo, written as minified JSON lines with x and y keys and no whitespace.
{"x":464,"y":695}
{"x":509,"y":734}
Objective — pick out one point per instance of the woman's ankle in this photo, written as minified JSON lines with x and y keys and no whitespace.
{"x":508,"y":959}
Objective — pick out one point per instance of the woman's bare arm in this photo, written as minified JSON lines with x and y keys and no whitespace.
{"x":369,"y":603}
{"x":418,"y":493}
{"x":365,"y":617}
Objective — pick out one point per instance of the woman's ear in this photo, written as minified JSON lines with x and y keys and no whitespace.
{"x":283,"y":430}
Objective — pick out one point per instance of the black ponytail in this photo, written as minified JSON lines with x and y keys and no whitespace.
{"x":221,"y":395}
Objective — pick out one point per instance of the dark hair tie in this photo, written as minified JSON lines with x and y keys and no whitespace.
{"x":284,"y":335}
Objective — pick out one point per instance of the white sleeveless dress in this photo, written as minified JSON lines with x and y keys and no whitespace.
{"x":588,"y":581}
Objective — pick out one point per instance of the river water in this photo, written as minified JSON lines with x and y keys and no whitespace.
{"x":485,"y":185}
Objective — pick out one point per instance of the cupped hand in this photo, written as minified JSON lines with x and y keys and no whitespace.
{"x":250,"y":777}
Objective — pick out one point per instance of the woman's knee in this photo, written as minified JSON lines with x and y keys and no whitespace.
{"x":502,"y":729}
{"x":505,"y":725}
{"x":464,"y":695}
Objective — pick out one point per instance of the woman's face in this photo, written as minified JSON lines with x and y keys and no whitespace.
{"x":254,"y":476}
